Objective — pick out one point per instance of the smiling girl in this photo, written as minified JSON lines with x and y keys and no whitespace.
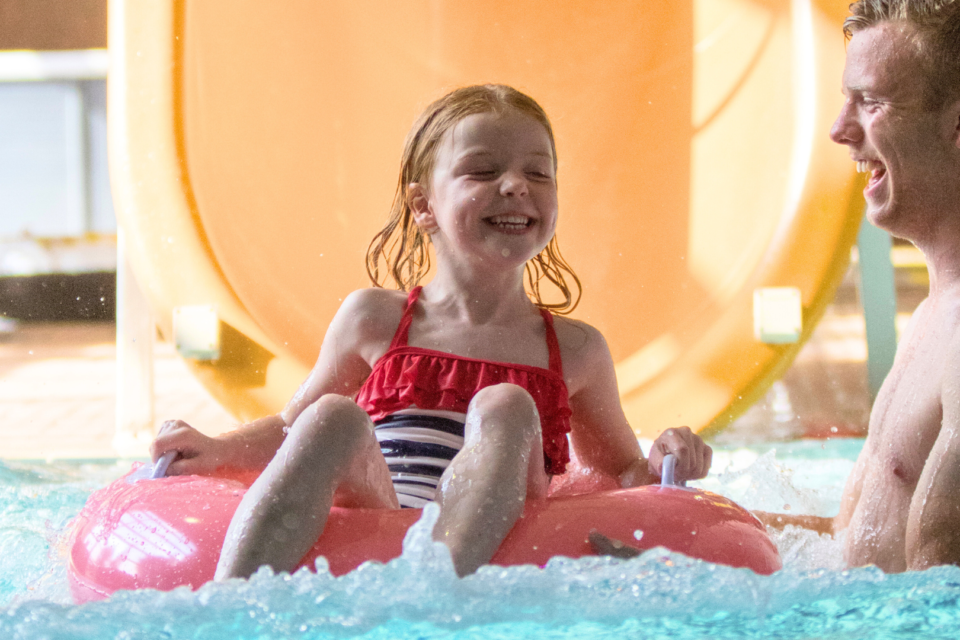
{"x":463,"y":391}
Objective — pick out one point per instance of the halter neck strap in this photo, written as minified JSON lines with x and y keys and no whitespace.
{"x":553,"y":345}
{"x":403,"y":329}
{"x":401,"y":337}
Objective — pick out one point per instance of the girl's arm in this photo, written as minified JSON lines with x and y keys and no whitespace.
{"x":600,"y":433}
{"x":356,"y":337}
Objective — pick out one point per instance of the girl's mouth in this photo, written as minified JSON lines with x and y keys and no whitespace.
{"x":510,"y":222}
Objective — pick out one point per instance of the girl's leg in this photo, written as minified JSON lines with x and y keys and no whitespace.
{"x":330,"y":455}
{"x":483,"y":491}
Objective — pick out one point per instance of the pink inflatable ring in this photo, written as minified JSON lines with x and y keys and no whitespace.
{"x":167,"y":532}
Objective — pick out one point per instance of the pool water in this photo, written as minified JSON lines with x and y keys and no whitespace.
{"x":657,"y":595}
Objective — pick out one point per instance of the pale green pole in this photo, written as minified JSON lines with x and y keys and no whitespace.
{"x":879,"y":298}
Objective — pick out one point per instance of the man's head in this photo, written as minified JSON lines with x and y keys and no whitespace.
{"x":935,"y":38}
{"x":901,"y":124}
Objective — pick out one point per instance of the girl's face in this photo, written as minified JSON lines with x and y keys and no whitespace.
{"x":492,"y":197}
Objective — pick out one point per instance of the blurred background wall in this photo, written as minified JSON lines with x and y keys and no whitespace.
{"x":57,"y":224}
{"x":53,"y":24}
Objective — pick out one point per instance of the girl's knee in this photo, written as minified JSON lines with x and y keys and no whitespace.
{"x":335,"y":406}
{"x":508,"y":400}
{"x":332,"y":417}
{"x":504,"y":413}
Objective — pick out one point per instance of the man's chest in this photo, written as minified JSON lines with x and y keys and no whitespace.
{"x":908,"y":412}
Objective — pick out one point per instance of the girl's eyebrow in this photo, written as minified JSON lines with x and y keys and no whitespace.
{"x":475,"y":152}
{"x":470,"y":153}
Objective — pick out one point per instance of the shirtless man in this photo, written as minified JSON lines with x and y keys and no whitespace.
{"x":901,"y":122}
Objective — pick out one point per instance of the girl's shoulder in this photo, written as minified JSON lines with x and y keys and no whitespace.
{"x":372,"y":312}
{"x":376,"y":298}
{"x":582,"y":346}
{"x":575,"y":333}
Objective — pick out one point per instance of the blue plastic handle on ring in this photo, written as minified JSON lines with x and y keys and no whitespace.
{"x":667,"y":472}
{"x":160,"y":468}
{"x":154,"y":471}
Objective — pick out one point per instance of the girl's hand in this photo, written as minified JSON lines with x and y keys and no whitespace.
{"x":199,"y":454}
{"x":693,"y":454}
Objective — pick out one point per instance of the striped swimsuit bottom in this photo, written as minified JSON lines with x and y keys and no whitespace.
{"x":418,"y":445}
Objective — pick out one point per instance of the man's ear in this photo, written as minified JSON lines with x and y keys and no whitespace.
{"x":954,"y":111}
{"x":419,"y":204}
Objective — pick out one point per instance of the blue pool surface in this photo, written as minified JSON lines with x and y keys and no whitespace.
{"x":657,"y":595}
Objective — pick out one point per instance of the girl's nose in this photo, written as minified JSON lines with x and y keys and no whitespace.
{"x":846,"y":129}
{"x":513,"y":184}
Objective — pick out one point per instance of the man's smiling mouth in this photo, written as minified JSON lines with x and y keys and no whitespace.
{"x":874,"y":167}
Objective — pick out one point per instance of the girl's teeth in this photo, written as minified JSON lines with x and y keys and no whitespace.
{"x":510,"y":220}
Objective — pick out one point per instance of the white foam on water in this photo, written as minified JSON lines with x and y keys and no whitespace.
{"x":658,"y":594}
{"x":790,"y":484}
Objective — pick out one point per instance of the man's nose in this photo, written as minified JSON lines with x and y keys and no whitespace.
{"x":846,"y":129}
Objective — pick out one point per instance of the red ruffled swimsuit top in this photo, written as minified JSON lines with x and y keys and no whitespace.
{"x":408,"y":377}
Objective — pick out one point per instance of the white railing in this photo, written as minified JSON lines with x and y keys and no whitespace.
{"x":53,"y":66}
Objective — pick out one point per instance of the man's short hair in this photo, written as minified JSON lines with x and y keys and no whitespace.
{"x":937,"y":38}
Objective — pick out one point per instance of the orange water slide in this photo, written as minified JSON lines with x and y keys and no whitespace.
{"x":255,"y":148}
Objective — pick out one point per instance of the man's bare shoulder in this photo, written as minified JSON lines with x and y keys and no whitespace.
{"x":951,"y":372}
{"x":953,"y":322}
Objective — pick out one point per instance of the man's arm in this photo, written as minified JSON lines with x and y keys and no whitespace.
{"x":832,"y":526}
{"x":780,"y":520}
{"x":933,"y":525}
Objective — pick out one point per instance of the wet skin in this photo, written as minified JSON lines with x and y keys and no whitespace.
{"x":900,"y":508}
{"x":489,"y":207}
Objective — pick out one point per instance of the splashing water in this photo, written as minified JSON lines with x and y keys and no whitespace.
{"x":657,"y":595}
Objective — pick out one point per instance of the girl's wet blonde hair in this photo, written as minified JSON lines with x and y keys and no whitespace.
{"x":402,"y":245}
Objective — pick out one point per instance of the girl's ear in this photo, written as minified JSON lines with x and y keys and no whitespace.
{"x":419,"y":204}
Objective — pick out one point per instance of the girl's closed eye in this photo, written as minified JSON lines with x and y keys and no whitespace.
{"x":482,"y":173}
{"x":540,"y":174}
